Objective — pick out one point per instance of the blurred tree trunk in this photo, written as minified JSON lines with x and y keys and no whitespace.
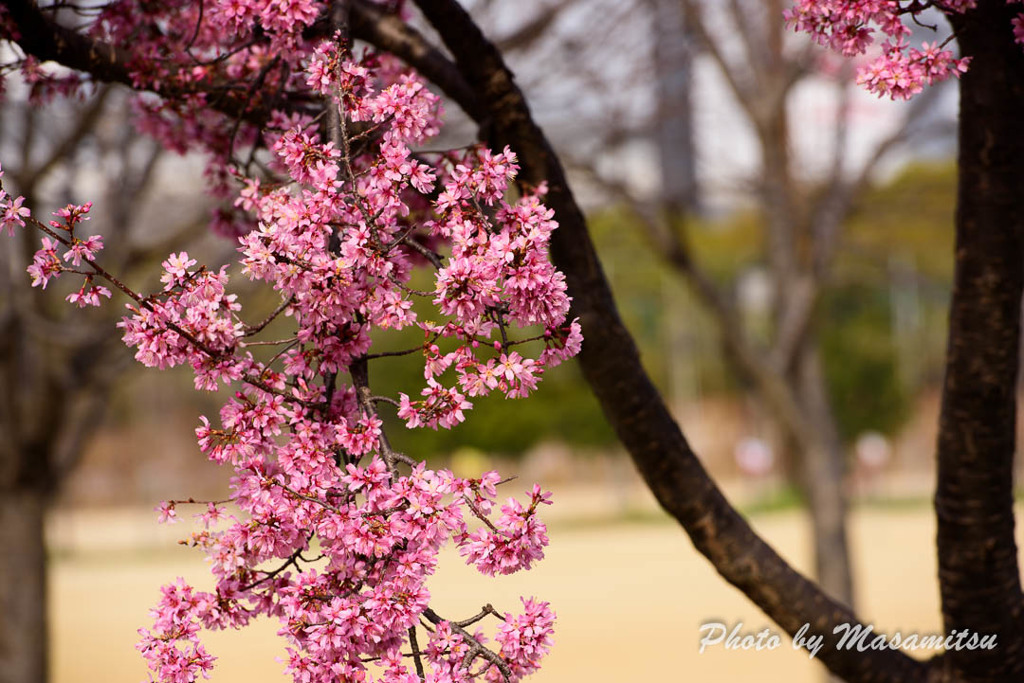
{"x":30,"y":400}
{"x":821,"y":478}
{"x":674,"y":48}
{"x":58,"y":365}
{"x":785,"y":375}
{"x":23,"y":591}
{"x":45,"y":419}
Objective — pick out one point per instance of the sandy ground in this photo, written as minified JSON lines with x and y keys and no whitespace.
{"x":631,"y":597}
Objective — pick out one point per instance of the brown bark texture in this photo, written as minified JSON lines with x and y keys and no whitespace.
{"x":978,"y":570}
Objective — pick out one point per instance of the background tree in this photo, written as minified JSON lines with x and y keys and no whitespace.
{"x":55,"y":361}
{"x":802,"y":205}
{"x":979,"y":575}
{"x":801,"y":202}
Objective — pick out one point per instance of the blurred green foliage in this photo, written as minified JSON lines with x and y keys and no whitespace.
{"x":884,"y":317}
{"x":909,"y":218}
{"x":861,"y":363}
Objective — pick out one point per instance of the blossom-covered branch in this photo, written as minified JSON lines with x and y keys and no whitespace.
{"x":336,"y":223}
{"x":901,"y":71}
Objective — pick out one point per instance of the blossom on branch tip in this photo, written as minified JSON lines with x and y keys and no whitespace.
{"x":514,"y":542}
{"x":176,"y":269}
{"x":525,"y":638}
{"x":168,"y":514}
{"x":15,"y":212}
{"x":45,"y":265}
{"x":850,"y":27}
{"x":88,"y":295}
{"x":83,"y":249}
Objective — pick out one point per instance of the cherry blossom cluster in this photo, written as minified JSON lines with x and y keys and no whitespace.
{"x":193,"y":311}
{"x":61,"y":250}
{"x":14,"y":210}
{"x":328,"y":529}
{"x":515,"y":541}
{"x":525,"y":654}
{"x":179,"y":651}
{"x":900,"y":71}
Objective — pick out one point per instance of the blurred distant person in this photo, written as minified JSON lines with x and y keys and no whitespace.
{"x":873,"y":453}
{"x":754,"y":458}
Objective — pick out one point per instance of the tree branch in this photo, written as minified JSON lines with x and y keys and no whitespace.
{"x":85,"y":121}
{"x":387,"y":32}
{"x":745,"y":92}
{"x":527,"y":34}
{"x":827,"y":215}
{"x":46,"y":40}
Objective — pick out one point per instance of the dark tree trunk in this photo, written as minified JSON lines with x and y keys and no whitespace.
{"x":27,"y":397}
{"x":23,"y":628}
{"x":978,"y":571}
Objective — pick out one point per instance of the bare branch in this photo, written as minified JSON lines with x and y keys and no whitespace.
{"x":741,"y":87}
{"x":527,"y":34}
{"x":415,"y":646}
{"x":84,"y":124}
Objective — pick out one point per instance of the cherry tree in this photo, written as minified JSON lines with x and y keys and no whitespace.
{"x":311,"y":139}
{"x":337,"y":227}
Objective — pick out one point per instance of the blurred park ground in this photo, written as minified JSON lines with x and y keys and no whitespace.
{"x":629,"y":590}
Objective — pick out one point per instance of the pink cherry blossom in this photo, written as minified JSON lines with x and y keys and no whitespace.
{"x":45,"y":264}
{"x":853,"y":27}
{"x":88,"y":295}
{"x":526,"y":638}
{"x":14,"y":214}
{"x":331,"y":532}
{"x":83,"y":249}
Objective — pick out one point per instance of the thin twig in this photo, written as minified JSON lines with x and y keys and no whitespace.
{"x":484,"y":611}
{"x":475,"y":648}
{"x":250,"y":330}
{"x":416,"y":653}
